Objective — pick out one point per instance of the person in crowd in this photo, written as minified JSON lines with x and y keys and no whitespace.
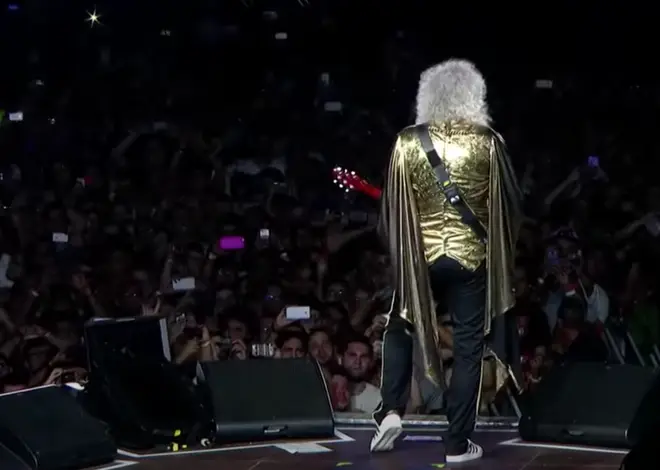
{"x":357,"y":360}
{"x":291,"y":344}
{"x":323,"y":351}
{"x":576,"y":340}
{"x":340,"y":392}
{"x":533,"y":329}
{"x":570,"y":277}
{"x":458,"y":225}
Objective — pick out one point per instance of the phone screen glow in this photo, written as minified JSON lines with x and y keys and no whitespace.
{"x":231,"y":243}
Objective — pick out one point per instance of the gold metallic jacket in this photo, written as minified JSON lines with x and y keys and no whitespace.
{"x":420,"y":225}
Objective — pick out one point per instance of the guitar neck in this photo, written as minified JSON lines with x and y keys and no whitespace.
{"x":372,"y":191}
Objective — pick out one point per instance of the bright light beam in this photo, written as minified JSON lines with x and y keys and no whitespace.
{"x":93,"y":18}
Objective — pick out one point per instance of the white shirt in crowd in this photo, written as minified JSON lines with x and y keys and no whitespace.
{"x":598,"y":306}
{"x":366,"y":401}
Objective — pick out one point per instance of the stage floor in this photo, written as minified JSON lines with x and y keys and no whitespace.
{"x":350,"y":451}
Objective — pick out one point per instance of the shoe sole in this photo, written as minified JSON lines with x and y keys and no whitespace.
{"x":386,"y":441}
{"x":464,"y":460}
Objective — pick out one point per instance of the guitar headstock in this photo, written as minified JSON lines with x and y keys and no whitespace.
{"x":346,"y":179}
{"x":350,"y":181}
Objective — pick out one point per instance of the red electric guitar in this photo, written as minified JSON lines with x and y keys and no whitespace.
{"x":351,"y":181}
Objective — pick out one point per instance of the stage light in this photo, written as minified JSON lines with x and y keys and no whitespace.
{"x":93,"y":18}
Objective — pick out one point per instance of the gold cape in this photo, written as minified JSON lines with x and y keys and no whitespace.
{"x":400,"y":227}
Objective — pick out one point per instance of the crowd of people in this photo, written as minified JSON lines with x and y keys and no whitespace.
{"x":136,"y":181}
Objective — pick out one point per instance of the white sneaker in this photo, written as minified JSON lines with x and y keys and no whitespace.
{"x":388,"y":431}
{"x":473,"y":452}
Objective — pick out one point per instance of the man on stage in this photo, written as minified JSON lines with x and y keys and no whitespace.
{"x":450,"y":214}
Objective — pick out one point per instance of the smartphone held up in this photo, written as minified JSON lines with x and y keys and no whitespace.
{"x":298,"y":313}
{"x":593,"y":169}
{"x":183,"y":284}
{"x":231,"y":243}
{"x":59,"y":237}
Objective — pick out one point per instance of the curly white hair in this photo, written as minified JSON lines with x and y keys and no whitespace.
{"x":452,"y":90}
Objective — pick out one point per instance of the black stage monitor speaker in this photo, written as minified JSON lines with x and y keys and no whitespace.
{"x":48,"y":430}
{"x":593,"y":404}
{"x":267,"y":399}
{"x":143,"y":336}
{"x":135,"y":388}
{"x":146,"y":401}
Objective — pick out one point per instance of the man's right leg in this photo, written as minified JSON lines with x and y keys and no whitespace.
{"x":396,"y":373}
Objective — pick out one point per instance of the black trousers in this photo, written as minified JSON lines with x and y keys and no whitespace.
{"x":463,"y":292}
